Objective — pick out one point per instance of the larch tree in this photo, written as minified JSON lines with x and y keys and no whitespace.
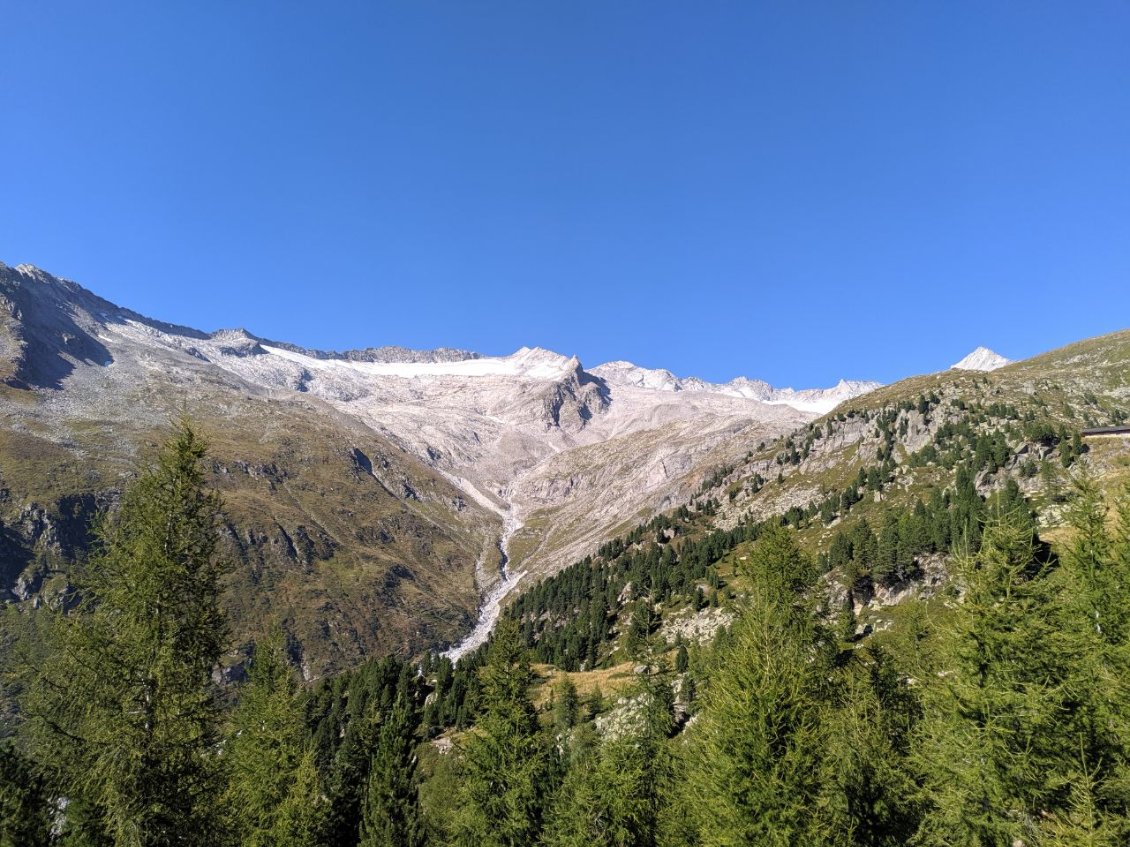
{"x":798,"y":743}
{"x":1095,"y":621}
{"x":124,"y":712}
{"x":615,"y":791}
{"x":265,"y":753}
{"x":754,"y":769}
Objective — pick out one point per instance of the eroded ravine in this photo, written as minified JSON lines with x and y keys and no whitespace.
{"x":491,"y":606}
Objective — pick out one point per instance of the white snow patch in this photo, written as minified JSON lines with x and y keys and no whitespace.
{"x":528,"y":362}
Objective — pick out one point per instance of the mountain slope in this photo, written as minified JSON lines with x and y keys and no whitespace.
{"x":336,"y":533}
{"x":881,"y":492}
{"x":894,"y":445}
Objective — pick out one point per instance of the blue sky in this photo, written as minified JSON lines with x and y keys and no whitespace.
{"x":791,"y":191}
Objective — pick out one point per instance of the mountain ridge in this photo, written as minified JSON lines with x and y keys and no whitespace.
{"x":741,"y":386}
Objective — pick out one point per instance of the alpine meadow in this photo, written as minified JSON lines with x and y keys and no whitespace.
{"x":376,"y":566}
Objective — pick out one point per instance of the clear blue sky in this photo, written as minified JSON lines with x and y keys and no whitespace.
{"x":792,"y":191}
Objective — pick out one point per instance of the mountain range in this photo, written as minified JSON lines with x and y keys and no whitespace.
{"x":374,"y":499}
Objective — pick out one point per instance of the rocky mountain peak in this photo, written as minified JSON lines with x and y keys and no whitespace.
{"x":981,"y":359}
{"x":236,"y":342}
{"x":532,"y":437}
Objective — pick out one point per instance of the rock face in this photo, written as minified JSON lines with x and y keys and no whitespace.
{"x":981,"y":359}
{"x":374,"y":486}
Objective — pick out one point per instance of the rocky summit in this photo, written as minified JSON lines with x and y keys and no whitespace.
{"x":981,"y":359}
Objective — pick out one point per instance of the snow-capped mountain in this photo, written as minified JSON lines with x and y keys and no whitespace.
{"x":981,"y":359}
{"x":542,"y":457}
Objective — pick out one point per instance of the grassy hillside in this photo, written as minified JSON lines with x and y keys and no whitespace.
{"x":351,"y":545}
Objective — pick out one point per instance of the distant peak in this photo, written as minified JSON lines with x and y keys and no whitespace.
{"x":236,"y":342}
{"x":981,"y":359}
{"x":629,"y":374}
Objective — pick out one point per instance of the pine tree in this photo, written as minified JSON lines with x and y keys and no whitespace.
{"x":886,"y":568}
{"x":125,"y":710}
{"x":506,"y":766}
{"x":682,"y":659}
{"x":348,"y":775}
{"x":866,"y":793}
{"x":301,"y":816}
{"x":266,"y":749}
{"x":797,"y":743}
{"x":639,"y":627}
{"x":754,"y":773}
{"x":991,"y":748}
{"x":566,"y":706}
{"x":391,"y":812}
{"x":1083,"y":823}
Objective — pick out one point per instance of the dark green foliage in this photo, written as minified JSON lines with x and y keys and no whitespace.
{"x":951,"y":517}
{"x":267,"y":749}
{"x":391,"y":816}
{"x":988,"y":743}
{"x":122,"y":717}
{"x":614,"y":792}
{"x":796,"y":746}
{"x":346,"y":715}
{"x":25,"y":804}
{"x":1027,"y":731}
{"x":566,"y":706}
{"x":1095,"y":592}
{"x":568,"y":619}
{"x":456,"y":693}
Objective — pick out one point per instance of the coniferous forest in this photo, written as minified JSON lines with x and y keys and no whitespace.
{"x":1000,"y":716}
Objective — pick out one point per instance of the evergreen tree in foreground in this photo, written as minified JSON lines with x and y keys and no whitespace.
{"x":1095,"y":622}
{"x":123,"y":714}
{"x":992,"y":747}
{"x":614,"y":791}
{"x":507,"y":769}
{"x":266,"y":755}
{"x":755,"y":767}
{"x":391,"y":812}
{"x":797,"y":744}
